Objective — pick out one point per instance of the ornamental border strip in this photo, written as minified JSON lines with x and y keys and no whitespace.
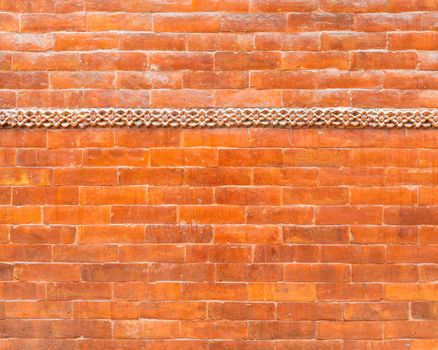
{"x":220,"y":118}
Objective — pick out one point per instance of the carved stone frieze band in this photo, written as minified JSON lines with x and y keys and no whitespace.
{"x":220,"y":118}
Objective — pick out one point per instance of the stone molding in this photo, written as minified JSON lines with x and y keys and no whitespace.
{"x":220,"y":118}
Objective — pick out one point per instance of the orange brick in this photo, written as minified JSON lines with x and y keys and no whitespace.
{"x":376,"y":311}
{"x":315,"y":234}
{"x":220,"y":214}
{"x":173,"y":310}
{"x":110,"y":234}
{"x":78,"y":290}
{"x":312,"y":158}
{"x":219,"y":42}
{"x":383,"y":60}
{"x":353,"y":254}
{"x":219,"y":6}
{"x":254,"y":22}
{"x":25,"y":252}
{"x":183,"y":157}
{"x":151,"y":176}
{"x":279,"y":215}
{"x":411,"y":292}
{"x":180,"y":195}
{"x":246,"y":234}
{"x":280,"y":330}
{"x":411,"y":215}
{"x":85,"y":176}
{"x":180,"y":233}
{"x":309,"y":311}
{"x":52,"y":22}
{"x":112,"y":195}
{"x":181,"y":60}
{"x":416,"y":254}
{"x":140,"y":253}
{"x":24,"y":176}
{"x":183,"y":98}
{"x":354,"y":215}
{"x":142,"y":214}
{"x":384,"y":234}
{"x":315,"y":22}
{"x":320,"y":195}
{"x":104,"y":61}
{"x":314,"y":60}
{"x":287,"y":253}
{"x":252,"y":273}
{"x":214,"y":291}
{"x":428,"y":235}
{"x":48,"y":272}
{"x":22,"y":291}
{"x":76,"y":215}
{"x":20,"y":215}
{"x":42,"y":234}
{"x":410,"y":329}
{"x":425,"y":310}
{"x":247,"y":60}
{"x":282,"y":292}
{"x":84,"y":253}
{"x":355,"y":41}
{"x":105,"y":310}
{"x":350,"y":330}
{"x":114,"y":272}
{"x":383,"y":195}
{"x":385,"y":273}
{"x":248,"y":195}
{"x":116,"y":21}
{"x":55,"y":158}
{"x":190,"y":23}
{"x":284,"y":6}
{"x":316,"y":273}
{"x":37,"y":309}
{"x":350,"y":292}
{"x":85,"y":41}
{"x":78,"y":80}
{"x":194,"y":272}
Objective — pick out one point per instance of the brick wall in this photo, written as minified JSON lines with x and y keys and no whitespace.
{"x":206,"y":53}
{"x":224,"y":239}
{"x":218,"y":239}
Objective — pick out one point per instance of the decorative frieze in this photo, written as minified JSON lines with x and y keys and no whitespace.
{"x":220,"y":118}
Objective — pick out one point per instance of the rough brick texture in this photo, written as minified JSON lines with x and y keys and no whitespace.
{"x":227,"y":53}
{"x":218,"y":239}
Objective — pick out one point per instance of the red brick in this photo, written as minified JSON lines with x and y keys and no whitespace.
{"x":181,"y":233}
{"x":143,"y":80}
{"x":383,"y":195}
{"x":413,"y":41}
{"x":376,"y":311}
{"x":353,"y":254}
{"x":81,"y":290}
{"x":428,"y":235}
{"x":105,"y":310}
{"x":248,"y":195}
{"x":116,"y":21}
{"x":110,"y":234}
{"x":314,"y":60}
{"x":220,"y":214}
{"x":384,"y":234}
{"x":280,"y":330}
{"x":151,"y":176}
{"x":281,"y":292}
{"x":425,"y":310}
{"x":85,"y":176}
{"x":315,"y":22}
{"x":254,"y":23}
{"x":382,"y":22}
{"x":173,"y":310}
{"x":52,"y":22}
{"x":219,"y":6}
{"x":350,"y":330}
{"x":93,"y":138}
{"x":411,"y":215}
{"x":54,"y":158}
{"x":309,"y":311}
{"x":214,"y":291}
{"x":24,"y":80}
{"x":316,"y":273}
{"x":85,"y":253}
{"x":285,"y":176}
{"x":78,"y":80}
{"x":48,"y":272}
{"x":310,"y":98}
{"x":354,"y":215}
{"x":142,"y":291}
{"x":247,"y":60}
{"x":38,"y":309}
{"x":183,"y":98}
{"x":219,"y":42}
{"x":104,"y":61}
{"x":50,"y":98}
{"x":156,"y":6}
{"x":114,"y":272}
{"x":160,"y":253}
{"x":383,"y":60}
{"x":283,"y":80}
{"x":411,"y":292}
{"x":412,"y":254}
{"x":240,"y":311}
{"x":253,"y":273}
{"x":350,"y":292}
{"x":194,"y":272}
{"x":284,"y":6}
{"x":142,"y":214}
{"x":279,"y":215}
{"x":315,"y":234}
{"x":76,"y":215}
{"x":190,"y":23}
{"x":356,"y":41}
{"x":22,"y":291}
{"x":25,"y":253}
{"x":85,"y":41}
{"x":217,"y":176}
{"x":410,"y":329}
{"x":286,"y":253}
{"x":385,"y":273}
{"x":284,"y":41}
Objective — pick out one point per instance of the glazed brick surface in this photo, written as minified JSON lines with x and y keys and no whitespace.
{"x":218,"y":239}
{"x":218,"y":53}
